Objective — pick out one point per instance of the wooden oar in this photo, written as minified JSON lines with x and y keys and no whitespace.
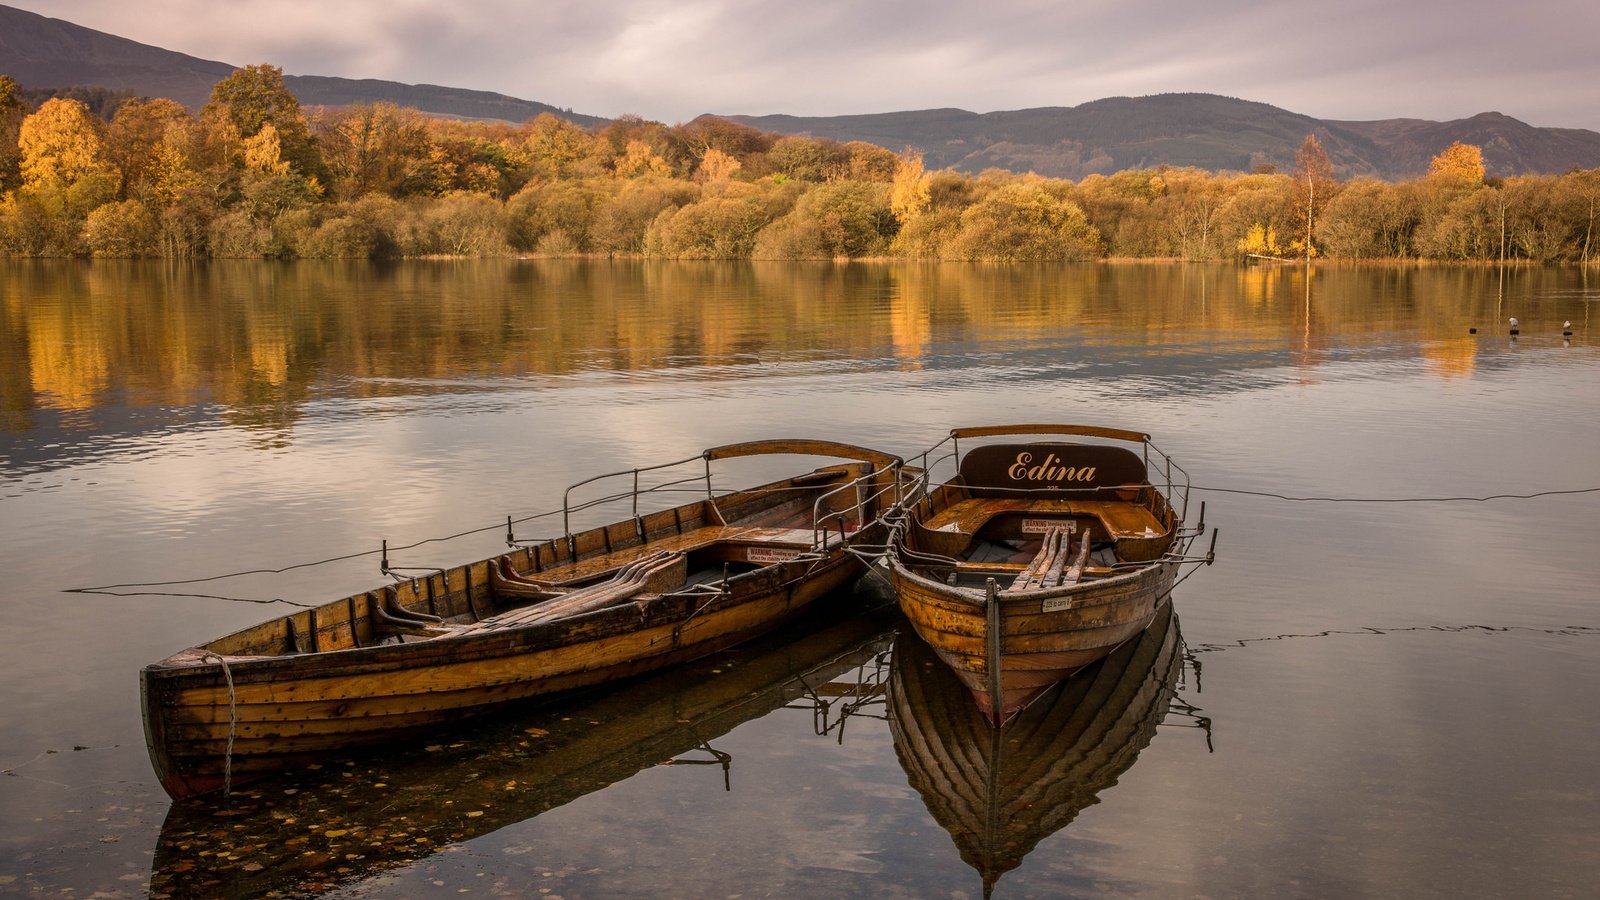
{"x":1033,"y":575}
{"x":1075,"y":574}
{"x":630,"y":580}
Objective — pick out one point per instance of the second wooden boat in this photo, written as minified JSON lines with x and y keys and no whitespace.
{"x":1034,"y":559}
{"x":592,"y":606}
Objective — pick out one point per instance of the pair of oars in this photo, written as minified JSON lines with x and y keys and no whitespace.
{"x":1049,"y":568}
{"x":632,"y":579}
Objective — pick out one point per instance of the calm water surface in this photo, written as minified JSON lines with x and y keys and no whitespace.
{"x":1368,"y":699}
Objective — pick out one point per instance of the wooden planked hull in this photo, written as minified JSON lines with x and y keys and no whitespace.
{"x":415,"y":802}
{"x":287,"y":711}
{"x":407,"y":658}
{"x":1000,"y":791}
{"x":1037,"y":649}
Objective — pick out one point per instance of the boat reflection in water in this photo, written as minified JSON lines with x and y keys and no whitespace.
{"x":1000,"y":791}
{"x":345,"y":822}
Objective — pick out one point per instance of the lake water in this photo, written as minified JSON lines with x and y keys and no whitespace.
{"x":1369,"y":699}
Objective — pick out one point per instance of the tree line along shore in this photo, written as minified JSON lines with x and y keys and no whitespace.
{"x":254,"y":175}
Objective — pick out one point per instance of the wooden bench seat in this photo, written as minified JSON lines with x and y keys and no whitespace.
{"x":1121,"y":519}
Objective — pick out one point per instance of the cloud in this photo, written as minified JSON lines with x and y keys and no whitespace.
{"x":1353,"y":59}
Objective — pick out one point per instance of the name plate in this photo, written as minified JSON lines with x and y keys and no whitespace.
{"x":1057,"y":604}
{"x":1041,"y":526}
{"x":1051,"y":466}
{"x":770,"y":554}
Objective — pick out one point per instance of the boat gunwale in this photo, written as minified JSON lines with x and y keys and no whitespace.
{"x":482,"y":644}
{"x":881,"y":466}
{"x":974,"y":597}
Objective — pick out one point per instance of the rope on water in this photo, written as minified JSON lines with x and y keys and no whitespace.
{"x":233,"y":724}
{"x":114,"y":589}
{"x":1223,"y":490}
{"x":1567,"y":630}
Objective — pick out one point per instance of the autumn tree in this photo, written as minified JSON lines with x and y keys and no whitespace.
{"x":1025,"y":221}
{"x":65,"y":175}
{"x":869,"y":162}
{"x":908,"y":187}
{"x":619,"y":143}
{"x":808,"y":159}
{"x":374,"y":148}
{"x":12,"y":111}
{"x":716,"y":165}
{"x":619,"y":222}
{"x":1259,"y":210}
{"x":1458,"y":165}
{"x":1190,"y":206}
{"x":255,"y":96}
{"x":63,"y":148}
{"x":839,"y":219}
{"x":469,"y":157}
{"x":148,"y":141}
{"x":1314,"y":187}
{"x":1370,"y":219}
{"x":711,"y":228}
{"x":551,"y":216}
{"x":555,"y":146}
{"x":125,"y":229}
{"x":263,"y":153}
{"x":1585,"y":187}
{"x":1539,"y":220}
{"x":638,"y":159}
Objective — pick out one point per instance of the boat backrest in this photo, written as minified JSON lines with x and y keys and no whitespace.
{"x":1085,"y":469}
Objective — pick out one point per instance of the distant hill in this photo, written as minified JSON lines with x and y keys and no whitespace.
{"x":1202,"y":130}
{"x":41,"y":52}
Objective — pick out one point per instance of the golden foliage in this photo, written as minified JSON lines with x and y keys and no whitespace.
{"x":638,"y":159}
{"x":908,"y":191}
{"x":262,"y":153}
{"x":716,"y":166}
{"x":1260,"y":240}
{"x":62,"y":147}
{"x":1458,"y":165}
{"x":253,"y":175}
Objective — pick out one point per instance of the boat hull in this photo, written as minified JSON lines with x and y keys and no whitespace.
{"x":1036,"y":648}
{"x":214,"y":719}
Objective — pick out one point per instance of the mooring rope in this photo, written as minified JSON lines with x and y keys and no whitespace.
{"x":112,"y":589}
{"x":115,"y":589}
{"x":1486,"y":499}
{"x":1237,"y":643}
{"x":233,"y":723}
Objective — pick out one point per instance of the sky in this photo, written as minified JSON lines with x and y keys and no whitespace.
{"x":672,"y":60}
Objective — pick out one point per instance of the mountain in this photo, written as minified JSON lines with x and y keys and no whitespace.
{"x":1202,"y":130}
{"x":41,"y":52}
{"x":1206,"y":131}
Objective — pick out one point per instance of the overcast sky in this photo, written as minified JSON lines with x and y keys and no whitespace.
{"x":673,"y":59}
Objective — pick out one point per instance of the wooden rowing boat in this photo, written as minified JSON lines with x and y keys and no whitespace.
{"x":309,"y":833}
{"x":1000,"y":791}
{"x":592,"y":606}
{"x":1035,"y":559}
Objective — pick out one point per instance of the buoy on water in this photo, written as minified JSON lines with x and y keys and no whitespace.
{"x":1514,"y":329}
